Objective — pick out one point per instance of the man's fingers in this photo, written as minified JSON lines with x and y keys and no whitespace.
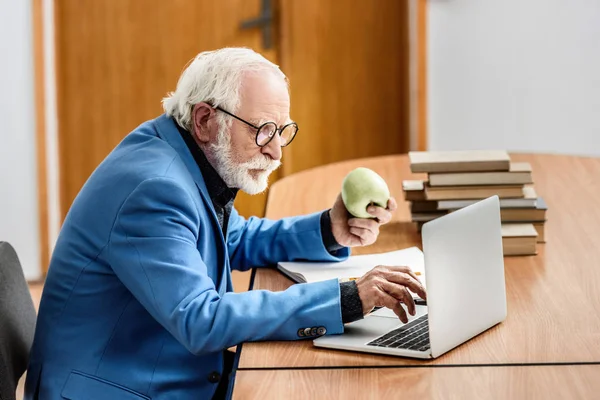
{"x":369,"y":224}
{"x":390,"y":302}
{"x":365,"y":235}
{"x":403,"y":269}
{"x":410,"y":272}
{"x":400,"y":312}
{"x":392,"y":205}
{"x":383,"y":216}
{"x":407,"y":280}
{"x":360,"y":232}
{"x":400,"y":293}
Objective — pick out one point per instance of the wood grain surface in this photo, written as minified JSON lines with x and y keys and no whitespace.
{"x":543,"y":382}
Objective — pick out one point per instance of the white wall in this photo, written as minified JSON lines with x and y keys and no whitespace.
{"x":18,"y":177}
{"x":514,"y":74}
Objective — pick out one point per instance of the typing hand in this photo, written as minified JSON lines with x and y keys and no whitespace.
{"x":387,"y":286}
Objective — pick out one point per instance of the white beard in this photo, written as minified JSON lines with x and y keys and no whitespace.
{"x":236,"y":175}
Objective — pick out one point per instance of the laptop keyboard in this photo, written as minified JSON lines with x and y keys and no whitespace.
{"x":412,"y":336}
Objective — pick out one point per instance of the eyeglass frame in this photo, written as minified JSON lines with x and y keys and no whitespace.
{"x":258,"y":128}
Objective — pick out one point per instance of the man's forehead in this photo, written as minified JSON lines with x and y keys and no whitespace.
{"x":265,"y":98}
{"x":267,"y":87}
{"x":259,"y":117}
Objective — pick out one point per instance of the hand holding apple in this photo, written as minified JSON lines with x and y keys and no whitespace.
{"x":363,"y":206}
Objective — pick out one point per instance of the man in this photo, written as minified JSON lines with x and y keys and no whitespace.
{"x":138,"y":300}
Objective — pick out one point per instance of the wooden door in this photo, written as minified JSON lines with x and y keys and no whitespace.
{"x":348,"y":66}
{"x":116,"y":60}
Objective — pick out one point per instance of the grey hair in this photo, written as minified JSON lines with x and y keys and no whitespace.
{"x":216,"y":78}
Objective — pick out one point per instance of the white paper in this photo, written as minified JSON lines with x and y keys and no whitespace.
{"x":356,"y":266}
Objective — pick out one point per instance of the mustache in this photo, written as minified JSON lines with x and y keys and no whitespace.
{"x":262,"y":162}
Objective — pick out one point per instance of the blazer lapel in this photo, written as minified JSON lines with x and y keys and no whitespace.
{"x":168,"y":131}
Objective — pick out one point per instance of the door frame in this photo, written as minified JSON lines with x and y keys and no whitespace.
{"x":418,"y":74}
{"x":46,"y":133}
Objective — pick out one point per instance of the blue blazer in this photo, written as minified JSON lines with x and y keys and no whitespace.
{"x":138,"y":301}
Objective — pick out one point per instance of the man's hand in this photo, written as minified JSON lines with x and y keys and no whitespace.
{"x":385,"y":286}
{"x":350,"y":232}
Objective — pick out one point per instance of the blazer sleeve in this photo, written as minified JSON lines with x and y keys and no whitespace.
{"x":259,"y":241}
{"x":152,"y":249}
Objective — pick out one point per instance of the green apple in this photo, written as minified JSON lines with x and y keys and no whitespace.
{"x":360,"y":188}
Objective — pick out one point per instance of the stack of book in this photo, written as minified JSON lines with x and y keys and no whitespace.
{"x":456,"y":179}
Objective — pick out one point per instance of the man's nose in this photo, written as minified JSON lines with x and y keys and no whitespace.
{"x":273,"y":149}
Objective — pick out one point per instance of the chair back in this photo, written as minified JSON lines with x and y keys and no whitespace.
{"x":17,"y":321}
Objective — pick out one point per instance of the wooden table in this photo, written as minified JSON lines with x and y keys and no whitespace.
{"x":553,"y":297}
{"x":542,"y":382}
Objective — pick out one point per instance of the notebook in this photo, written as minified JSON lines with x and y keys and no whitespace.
{"x":354,"y":267}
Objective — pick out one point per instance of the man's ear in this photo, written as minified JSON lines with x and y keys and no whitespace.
{"x":202,"y":121}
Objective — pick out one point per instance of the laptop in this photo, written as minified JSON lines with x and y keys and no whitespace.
{"x":466,"y":292}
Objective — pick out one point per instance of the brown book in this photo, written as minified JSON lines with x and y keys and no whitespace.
{"x":423,"y":206}
{"x":519,"y":174}
{"x":459,"y":161}
{"x":430,"y":215}
{"x":529,"y":201}
{"x":535,"y":214}
{"x":426,"y":216}
{"x":519,"y":239}
{"x":414,"y":190}
{"x":523,"y":215}
{"x":473,"y":192}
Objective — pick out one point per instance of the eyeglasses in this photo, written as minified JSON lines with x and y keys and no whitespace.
{"x":266,"y":132}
